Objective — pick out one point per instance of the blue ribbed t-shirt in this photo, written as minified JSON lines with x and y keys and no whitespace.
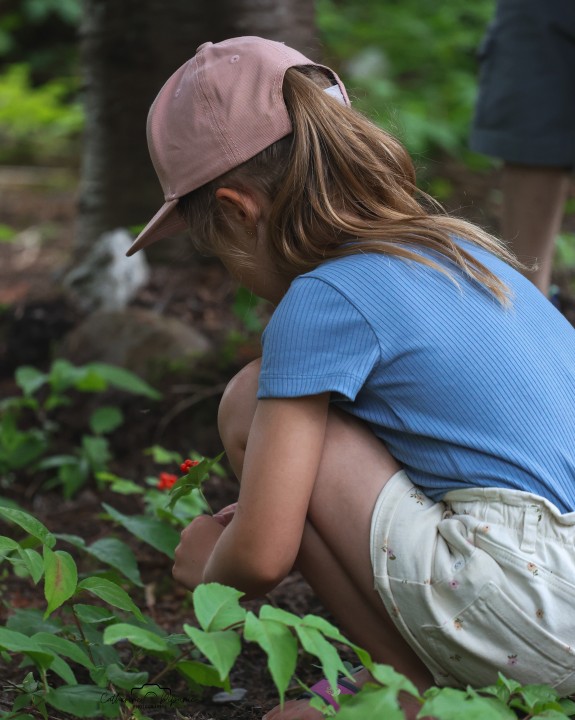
{"x":463,"y":391}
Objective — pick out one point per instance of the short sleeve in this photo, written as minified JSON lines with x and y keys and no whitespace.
{"x":316,"y":341}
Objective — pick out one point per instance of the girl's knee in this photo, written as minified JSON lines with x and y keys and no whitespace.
{"x":238,"y":405}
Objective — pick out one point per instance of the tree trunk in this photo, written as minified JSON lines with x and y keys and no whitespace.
{"x":129,"y":48}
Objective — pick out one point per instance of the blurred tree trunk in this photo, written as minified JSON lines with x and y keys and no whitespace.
{"x":129,"y":48}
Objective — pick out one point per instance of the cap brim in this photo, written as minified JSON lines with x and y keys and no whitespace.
{"x":165,"y":223}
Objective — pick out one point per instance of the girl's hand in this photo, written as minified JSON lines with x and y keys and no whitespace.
{"x":197,"y":542}
{"x":226,"y":515}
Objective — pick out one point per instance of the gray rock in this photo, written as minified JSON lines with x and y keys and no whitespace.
{"x":106,"y":279}
{"x":141,"y":341}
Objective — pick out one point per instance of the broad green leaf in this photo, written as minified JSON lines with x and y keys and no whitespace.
{"x":60,"y":578}
{"x":550,"y":714}
{"x":7,"y":544}
{"x":278,"y":642}
{"x":61,"y":668}
{"x":74,"y":540}
{"x":373,"y":703}
{"x":534,"y":695}
{"x":389,"y":677}
{"x":136,"y":635}
{"x":221,"y":647}
{"x":269,"y":612}
{"x":29,"y":379}
{"x":123,"y":679}
{"x":30,"y":621}
{"x":568,"y":706}
{"x":314,"y":643}
{"x":152,"y":531}
{"x":81,"y":701}
{"x":96,"y":451}
{"x":325,"y":627}
{"x":29,"y":523}
{"x":124,"y":380}
{"x":216,"y":606}
{"x":118,"y":555}
{"x":17,"y":642}
{"x":120,"y":485}
{"x":200,"y":673}
{"x":105,"y":419}
{"x":64,"y":375}
{"x":93,"y":613}
{"x":33,"y":562}
{"x":111,"y":593}
{"x":452,"y":704}
{"x":161,"y":456}
{"x":61,"y":646}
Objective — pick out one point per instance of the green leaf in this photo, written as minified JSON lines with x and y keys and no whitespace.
{"x":268,"y":612}
{"x":18,"y":643}
{"x":7,"y":544}
{"x":314,"y":643}
{"x":118,"y":555}
{"x":372,"y":702}
{"x":92,"y":614}
{"x":161,"y":456}
{"x":63,"y":670}
{"x":96,"y":451}
{"x":152,"y":531}
{"x":389,"y":677}
{"x":30,"y":622}
{"x":61,"y":646}
{"x":193,"y":479}
{"x":123,"y":679}
{"x":33,"y":562}
{"x":29,"y":379}
{"x":567,"y":706}
{"x":136,"y":635}
{"x":221,"y":647}
{"x":110,"y":593}
{"x":216,"y":606}
{"x":60,"y":578}
{"x":280,"y":645}
{"x":200,"y":673}
{"x":124,"y":380}
{"x":120,"y":485}
{"x":29,"y":524}
{"x":452,"y":704}
{"x":105,"y":419}
{"x":81,"y":701}
{"x":550,"y":714}
{"x":535,"y":695}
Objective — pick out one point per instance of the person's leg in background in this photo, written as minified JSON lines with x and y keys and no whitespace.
{"x":525,"y":116}
{"x":532,"y":212}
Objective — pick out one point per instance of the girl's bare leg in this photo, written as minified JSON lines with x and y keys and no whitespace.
{"x":334,"y":555}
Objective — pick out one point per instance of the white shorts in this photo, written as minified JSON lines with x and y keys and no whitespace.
{"x":480,"y":583}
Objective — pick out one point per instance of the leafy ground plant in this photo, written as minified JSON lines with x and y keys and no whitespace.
{"x":90,"y":651}
{"x":29,"y":425}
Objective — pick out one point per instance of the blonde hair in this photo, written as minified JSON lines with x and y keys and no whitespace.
{"x":339,"y":185}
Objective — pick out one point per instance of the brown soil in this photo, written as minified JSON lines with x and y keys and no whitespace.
{"x":34,"y":317}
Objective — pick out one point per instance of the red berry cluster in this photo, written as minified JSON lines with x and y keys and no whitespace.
{"x":187,"y":464}
{"x":166,"y":481}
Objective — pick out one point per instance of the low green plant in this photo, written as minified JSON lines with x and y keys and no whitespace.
{"x":38,"y":123}
{"x":90,"y":652}
{"x":29,"y":427}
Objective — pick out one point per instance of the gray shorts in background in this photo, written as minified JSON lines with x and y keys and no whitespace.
{"x":525,"y":111}
{"x":480,"y":583}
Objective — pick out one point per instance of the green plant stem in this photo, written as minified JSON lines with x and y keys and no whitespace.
{"x":170,"y":666}
{"x":84,"y":638}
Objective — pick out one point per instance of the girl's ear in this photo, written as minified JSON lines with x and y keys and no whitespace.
{"x":239,"y":206}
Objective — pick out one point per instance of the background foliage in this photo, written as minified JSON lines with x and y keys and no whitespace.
{"x":411,"y":64}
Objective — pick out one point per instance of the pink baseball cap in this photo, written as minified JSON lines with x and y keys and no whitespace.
{"x":218,"y":110}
